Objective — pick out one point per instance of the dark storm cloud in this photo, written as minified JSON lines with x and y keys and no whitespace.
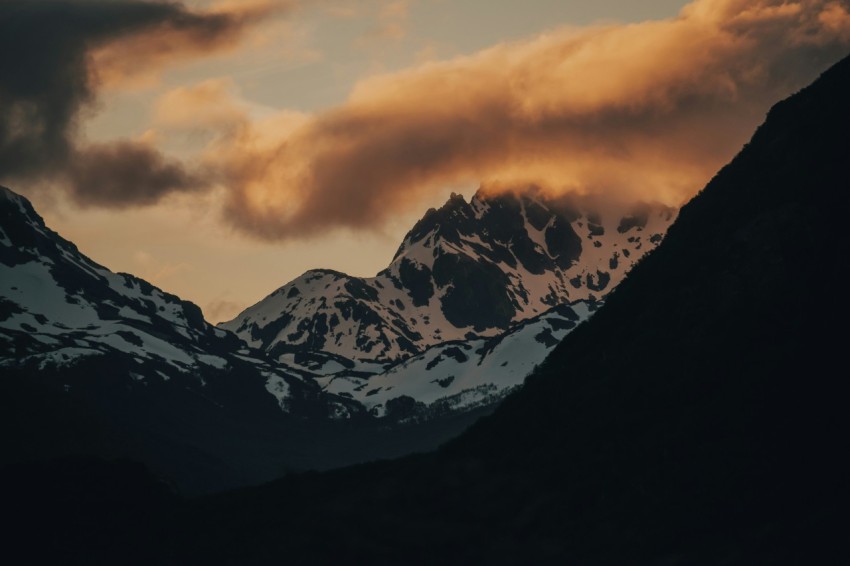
{"x":48,"y":78}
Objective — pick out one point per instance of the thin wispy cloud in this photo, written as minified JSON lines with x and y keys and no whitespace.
{"x":391,"y":21}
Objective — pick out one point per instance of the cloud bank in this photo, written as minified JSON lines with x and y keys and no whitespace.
{"x":649,"y":109}
{"x":646,"y":110}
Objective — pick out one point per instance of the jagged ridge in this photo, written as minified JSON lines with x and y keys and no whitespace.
{"x":466,"y":270}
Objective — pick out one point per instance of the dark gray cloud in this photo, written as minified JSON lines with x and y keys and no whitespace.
{"x":124,"y":174}
{"x":47,"y":78}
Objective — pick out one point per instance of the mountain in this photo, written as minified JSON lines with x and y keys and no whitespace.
{"x":699,"y":417}
{"x":144,"y":364}
{"x":106,"y":364}
{"x":103,"y":363}
{"x":59,"y":309}
{"x":492,"y":284}
{"x":465,"y":271}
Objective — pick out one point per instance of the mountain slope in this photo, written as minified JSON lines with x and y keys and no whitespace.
{"x":467,"y":274}
{"x":59,"y":307}
{"x":99,"y":363}
{"x":467,"y":270}
{"x":139,"y":370}
{"x":459,"y":375}
{"x":698,"y":418}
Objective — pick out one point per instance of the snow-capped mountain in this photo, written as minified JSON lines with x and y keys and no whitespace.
{"x":465,"y":271}
{"x":63,"y":313}
{"x":132,"y":371}
{"x":477,"y":295}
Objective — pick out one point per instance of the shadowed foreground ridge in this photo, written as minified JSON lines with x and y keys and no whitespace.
{"x":700,"y":419}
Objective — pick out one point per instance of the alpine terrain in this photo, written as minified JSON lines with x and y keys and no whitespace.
{"x":476,"y":295}
{"x":697,"y":418}
{"x":103,"y":363}
{"x":142,"y":369}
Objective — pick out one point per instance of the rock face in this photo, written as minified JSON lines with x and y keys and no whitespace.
{"x":465,"y":271}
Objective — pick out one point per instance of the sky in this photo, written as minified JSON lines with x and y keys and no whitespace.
{"x":219,"y":149}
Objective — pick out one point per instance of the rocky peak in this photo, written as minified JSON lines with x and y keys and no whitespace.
{"x":465,"y":269}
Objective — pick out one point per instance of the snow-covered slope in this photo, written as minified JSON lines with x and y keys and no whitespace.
{"x":465,"y":271}
{"x":460,"y":375}
{"x":60,"y":311}
{"x":51,"y":295}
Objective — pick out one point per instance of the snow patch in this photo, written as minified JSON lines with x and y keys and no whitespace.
{"x":279,"y":389}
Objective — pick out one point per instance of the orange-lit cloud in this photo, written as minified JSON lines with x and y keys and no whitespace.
{"x":223,"y":309}
{"x":649,"y":109}
{"x":209,"y":105}
{"x":392,"y":21}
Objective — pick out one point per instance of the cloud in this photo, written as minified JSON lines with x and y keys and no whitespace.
{"x":136,"y":59}
{"x":392,"y":19}
{"x":222,"y":310}
{"x":211,"y":105}
{"x":56,"y":54}
{"x":125,"y":174}
{"x":649,"y":110}
{"x":155,"y":270}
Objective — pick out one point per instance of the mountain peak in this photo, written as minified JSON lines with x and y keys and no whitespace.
{"x":17,"y":204}
{"x":467,"y":269}
{"x":8,"y":194}
{"x":53,"y":291}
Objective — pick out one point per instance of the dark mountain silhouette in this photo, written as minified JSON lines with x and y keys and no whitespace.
{"x":698,"y":418}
